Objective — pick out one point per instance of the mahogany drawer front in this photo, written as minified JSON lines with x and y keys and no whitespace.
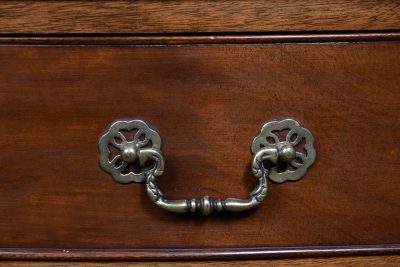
{"x":208,"y":103}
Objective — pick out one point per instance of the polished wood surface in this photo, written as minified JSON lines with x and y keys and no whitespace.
{"x":44,"y":17}
{"x":208,"y":103}
{"x":382,"y":261}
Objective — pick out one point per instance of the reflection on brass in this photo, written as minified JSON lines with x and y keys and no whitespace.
{"x":277,"y":159}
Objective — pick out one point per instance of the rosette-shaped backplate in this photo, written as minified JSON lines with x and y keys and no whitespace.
{"x":120,"y":149}
{"x":295,"y":146}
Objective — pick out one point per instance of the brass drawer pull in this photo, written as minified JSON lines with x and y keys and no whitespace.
{"x":275,"y":156}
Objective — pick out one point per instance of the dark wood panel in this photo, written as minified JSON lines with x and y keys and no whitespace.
{"x":381,"y":261}
{"x":207,"y":102}
{"x":196,"y":16}
{"x":205,"y":39}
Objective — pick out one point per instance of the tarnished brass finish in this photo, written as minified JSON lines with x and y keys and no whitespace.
{"x":131,"y":151}
{"x":279,"y":153}
{"x":298,"y":160}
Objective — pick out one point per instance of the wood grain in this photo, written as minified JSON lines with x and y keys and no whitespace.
{"x":208,"y":103}
{"x":382,"y":261}
{"x":191,"y":16}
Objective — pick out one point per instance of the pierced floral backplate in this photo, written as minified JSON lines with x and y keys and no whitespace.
{"x":297,"y":138}
{"x":128,"y":149}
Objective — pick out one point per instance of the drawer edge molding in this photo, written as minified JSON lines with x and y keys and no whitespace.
{"x":208,"y":39}
{"x":196,"y":253}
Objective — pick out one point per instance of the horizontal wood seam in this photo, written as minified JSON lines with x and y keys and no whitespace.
{"x":195,"y":39}
{"x":190,"y":254}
